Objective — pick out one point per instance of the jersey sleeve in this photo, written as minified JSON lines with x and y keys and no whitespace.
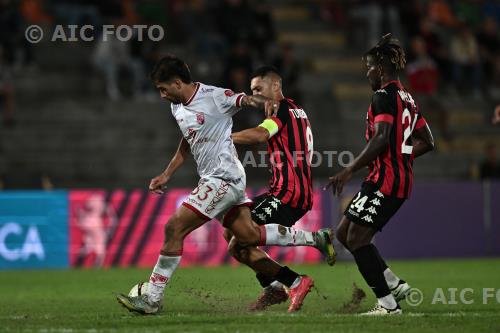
{"x":382,"y":108}
{"x":421,"y":122}
{"x":275,"y":123}
{"x":227,"y":101}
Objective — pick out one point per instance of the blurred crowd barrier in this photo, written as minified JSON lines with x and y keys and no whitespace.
{"x":98,"y":228}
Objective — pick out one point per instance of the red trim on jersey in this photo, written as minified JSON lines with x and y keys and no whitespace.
{"x":232,"y":211}
{"x":420,"y":123}
{"x":289,"y":165}
{"x":196,"y":211}
{"x":275,"y":154}
{"x":263,"y":236}
{"x":386,"y":118}
{"x":238,"y":100}
{"x":277,"y":121}
{"x":193,"y":95}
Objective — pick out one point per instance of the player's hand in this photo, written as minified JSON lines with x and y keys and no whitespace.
{"x":496,"y":116}
{"x":337,"y":182}
{"x":158,"y":184}
{"x":271,"y":108}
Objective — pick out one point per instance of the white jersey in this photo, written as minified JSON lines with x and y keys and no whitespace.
{"x":206,"y":123}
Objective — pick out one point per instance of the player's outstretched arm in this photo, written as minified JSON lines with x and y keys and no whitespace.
{"x":377,"y":145}
{"x":260,"y":102}
{"x":422,"y":141}
{"x":158,"y":183}
{"x":251,"y":136}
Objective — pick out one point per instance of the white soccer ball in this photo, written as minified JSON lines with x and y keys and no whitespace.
{"x":139,"y":289}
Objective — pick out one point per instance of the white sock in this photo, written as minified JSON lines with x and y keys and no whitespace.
{"x":276,"y":285}
{"x":388,"y":302}
{"x":164,"y":268}
{"x":391,"y":279}
{"x":279,"y":235}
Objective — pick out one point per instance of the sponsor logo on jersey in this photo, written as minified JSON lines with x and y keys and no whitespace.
{"x":206,"y":90}
{"x":191,"y":133}
{"x":200,"y":118}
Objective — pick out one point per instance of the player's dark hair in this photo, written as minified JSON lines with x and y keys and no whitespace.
{"x":170,"y":67}
{"x":389,"y":54}
{"x":264,"y":71}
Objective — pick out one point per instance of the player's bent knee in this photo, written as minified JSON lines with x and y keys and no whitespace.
{"x":237,"y":251}
{"x":249,"y":239}
{"x":355,"y":241}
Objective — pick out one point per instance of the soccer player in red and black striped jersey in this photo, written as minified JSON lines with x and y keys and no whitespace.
{"x":396,"y":133}
{"x":290,"y":195}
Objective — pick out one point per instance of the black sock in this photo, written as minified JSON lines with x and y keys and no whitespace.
{"x":264,"y":280}
{"x":382,"y":262}
{"x":286,"y":276}
{"x":370,"y":267}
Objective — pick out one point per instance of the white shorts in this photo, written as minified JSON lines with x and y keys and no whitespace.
{"x":214,"y":197}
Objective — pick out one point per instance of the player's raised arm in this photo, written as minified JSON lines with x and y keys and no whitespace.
{"x":377,"y":145}
{"x":422,"y":140}
{"x":158,"y":183}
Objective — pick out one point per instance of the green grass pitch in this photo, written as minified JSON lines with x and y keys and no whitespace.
{"x":215,"y":300}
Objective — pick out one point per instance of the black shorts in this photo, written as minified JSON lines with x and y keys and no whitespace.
{"x":267,"y":209}
{"x":371,"y":208}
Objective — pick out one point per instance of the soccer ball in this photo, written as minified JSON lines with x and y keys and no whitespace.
{"x":139,"y":289}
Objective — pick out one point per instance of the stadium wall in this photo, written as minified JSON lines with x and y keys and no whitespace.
{"x":98,"y":228}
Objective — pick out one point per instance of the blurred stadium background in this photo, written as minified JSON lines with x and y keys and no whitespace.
{"x":83,"y":131}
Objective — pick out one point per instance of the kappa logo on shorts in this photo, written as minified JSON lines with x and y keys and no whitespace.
{"x":379,"y":194}
{"x":371,"y":210}
{"x":262,"y":217}
{"x":275,"y":203}
{"x":375,"y":202}
{"x":367,"y":218}
{"x":268,"y":211}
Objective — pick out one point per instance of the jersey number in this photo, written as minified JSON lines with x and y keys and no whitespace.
{"x":407,"y":149}
{"x":310,"y":148}
{"x":204,"y":195}
{"x":359,"y":202}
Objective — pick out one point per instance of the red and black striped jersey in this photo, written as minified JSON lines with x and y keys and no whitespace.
{"x":290,"y":151}
{"x":392,"y":170}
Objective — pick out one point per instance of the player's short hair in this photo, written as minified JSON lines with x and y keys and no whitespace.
{"x":389,"y":54}
{"x":170,"y":67}
{"x":265,"y":71}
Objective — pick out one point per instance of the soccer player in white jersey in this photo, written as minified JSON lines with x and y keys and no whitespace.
{"x":203,"y":114}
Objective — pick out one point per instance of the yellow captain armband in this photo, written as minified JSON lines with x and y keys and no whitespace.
{"x":271,"y":126}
